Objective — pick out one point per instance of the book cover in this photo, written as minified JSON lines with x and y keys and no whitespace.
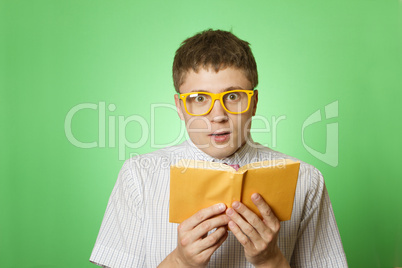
{"x":195,"y":185}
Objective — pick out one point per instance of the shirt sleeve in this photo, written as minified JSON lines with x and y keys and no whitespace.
{"x":318,"y":243}
{"x":120,"y":240}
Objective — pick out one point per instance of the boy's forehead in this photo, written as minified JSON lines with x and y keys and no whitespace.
{"x":190,"y":72}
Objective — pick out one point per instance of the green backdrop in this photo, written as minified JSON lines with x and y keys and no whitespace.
{"x":97,"y":74}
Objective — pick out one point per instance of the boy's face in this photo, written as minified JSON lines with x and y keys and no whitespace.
{"x":218,"y":133}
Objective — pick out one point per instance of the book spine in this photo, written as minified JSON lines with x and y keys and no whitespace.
{"x":237,"y":185}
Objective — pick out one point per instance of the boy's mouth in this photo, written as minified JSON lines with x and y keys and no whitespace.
{"x":223,"y":133}
{"x":222,"y":136}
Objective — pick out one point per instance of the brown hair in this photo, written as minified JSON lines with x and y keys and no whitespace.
{"x":216,"y":49}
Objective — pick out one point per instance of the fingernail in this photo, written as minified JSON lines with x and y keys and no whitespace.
{"x":255,"y":196}
{"x":229,"y":211}
{"x":221,"y":206}
{"x":236,"y":204}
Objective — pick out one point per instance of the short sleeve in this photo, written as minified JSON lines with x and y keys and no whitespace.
{"x":318,"y":243}
{"x":120,"y":240}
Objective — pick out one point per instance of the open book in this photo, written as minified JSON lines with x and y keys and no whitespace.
{"x":195,"y":185}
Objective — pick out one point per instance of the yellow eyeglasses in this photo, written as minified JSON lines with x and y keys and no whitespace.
{"x":233,"y":101}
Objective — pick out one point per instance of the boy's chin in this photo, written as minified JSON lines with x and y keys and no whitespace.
{"x":219,"y":153}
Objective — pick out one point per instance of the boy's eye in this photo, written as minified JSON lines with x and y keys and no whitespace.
{"x":232,"y":96}
{"x":200,"y":98}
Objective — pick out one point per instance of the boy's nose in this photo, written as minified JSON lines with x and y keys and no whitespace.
{"x":218,"y":113}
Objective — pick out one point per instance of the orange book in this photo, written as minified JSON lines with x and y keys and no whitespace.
{"x":195,"y":185}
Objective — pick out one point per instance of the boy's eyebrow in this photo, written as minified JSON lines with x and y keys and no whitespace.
{"x":226,"y":89}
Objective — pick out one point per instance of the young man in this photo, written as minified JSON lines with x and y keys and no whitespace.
{"x":215,"y":75}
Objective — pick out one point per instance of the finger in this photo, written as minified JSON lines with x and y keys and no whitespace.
{"x":268,"y":215}
{"x":201,"y":216}
{"x":242,"y":223}
{"x":204,"y":227}
{"x":201,"y":231}
{"x":241,"y":237}
{"x":210,"y":250}
{"x":256,"y":224}
{"x":213,"y":238}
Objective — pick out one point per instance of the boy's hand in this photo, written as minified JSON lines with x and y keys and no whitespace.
{"x":258,"y":237}
{"x":194,"y":246}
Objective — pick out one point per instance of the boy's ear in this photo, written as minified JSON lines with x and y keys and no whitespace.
{"x":178,"y":106}
{"x":255,"y":102}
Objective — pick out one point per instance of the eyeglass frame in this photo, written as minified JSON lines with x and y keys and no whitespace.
{"x":217,"y":96}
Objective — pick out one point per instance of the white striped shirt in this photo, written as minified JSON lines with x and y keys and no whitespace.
{"x":136,"y":232}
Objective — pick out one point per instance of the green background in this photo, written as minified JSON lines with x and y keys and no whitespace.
{"x":55,"y":55}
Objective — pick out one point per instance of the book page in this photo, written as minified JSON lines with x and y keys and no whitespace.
{"x":276,"y":184}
